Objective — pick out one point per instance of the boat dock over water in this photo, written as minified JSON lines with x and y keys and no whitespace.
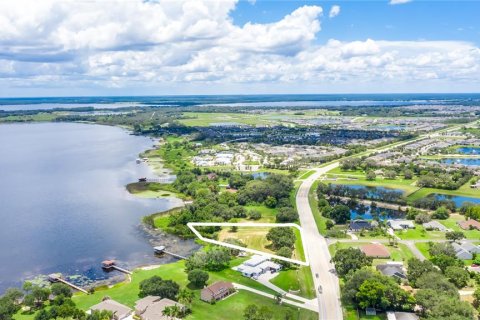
{"x":57,"y":277}
{"x":162,"y":250}
{"x":108,"y":265}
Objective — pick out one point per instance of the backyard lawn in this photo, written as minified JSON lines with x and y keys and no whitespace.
{"x":452,"y":224}
{"x":127,"y":293}
{"x":419,"y":233}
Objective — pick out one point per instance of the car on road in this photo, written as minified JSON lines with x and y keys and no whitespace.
{"x":320,"y":290}
{"x":316,"y":275}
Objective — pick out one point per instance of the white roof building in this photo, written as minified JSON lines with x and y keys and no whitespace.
{"x":401,"y":224}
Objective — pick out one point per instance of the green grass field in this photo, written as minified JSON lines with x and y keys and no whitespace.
{"x":319,"y":219}
{"x":419,"y":233}
{"x":127,"y":293}
{"x":464,"y":190}
{"x":205,"y":119}
{"x":296,"y":279}
{"x":306,"y":174}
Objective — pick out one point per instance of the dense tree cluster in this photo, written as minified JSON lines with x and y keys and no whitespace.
{"x":214,"y":259}
{"x":366,"y":288}
{"x":448,"y":181}
{"x":156,"y":286}
{"x":211,"y":205}
{"x":370,"y":193}
{"x":283,"y":240}
{"x":437,"y":290}
{"x":349,"y":260}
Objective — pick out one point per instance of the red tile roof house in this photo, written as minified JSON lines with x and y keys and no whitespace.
{"x":217,"y":291}
{"x":469,"y":224}
{"x":375,"y":250}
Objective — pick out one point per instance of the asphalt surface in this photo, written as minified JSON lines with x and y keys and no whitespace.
{"x":317,"y":250}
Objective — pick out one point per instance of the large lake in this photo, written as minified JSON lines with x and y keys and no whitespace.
{"x":63,"y":204}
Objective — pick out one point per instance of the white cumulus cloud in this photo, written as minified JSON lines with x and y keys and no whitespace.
{"x":394,"y":2}
{"x":334,"y":11}
{"x":194,"y":46}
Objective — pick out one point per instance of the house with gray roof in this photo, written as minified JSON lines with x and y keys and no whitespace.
{"x":435,"y":225}
{"x":152,"y":307}
{"x":400,"y":224}
{"x":392,"y":269}
{"x":118,"y":310}
{"x":465,"y":250}
{"x":391,"y":315}
{"x":359,"y":225}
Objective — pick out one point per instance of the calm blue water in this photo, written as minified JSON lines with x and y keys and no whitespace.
{"x":380,"y":213}
{"x":64,"y":207}
{"x":372,"y":192}
{"x":457,"y":199}
{"x":247,"y":100}
{"x":464,"y":161}
{"x":469,"y":150}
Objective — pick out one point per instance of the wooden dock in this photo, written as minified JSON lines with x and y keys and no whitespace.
{"x":111,"y":264}
{"x":162,"y":250}
{"x":57,"y":277}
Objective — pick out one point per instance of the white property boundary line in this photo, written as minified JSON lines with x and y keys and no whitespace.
{"x":192,"y":226}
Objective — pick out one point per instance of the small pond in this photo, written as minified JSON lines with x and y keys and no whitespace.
{"x":469,"y":150}
{"x":367,"y":192}
{"x":458,"y":200}
{"x":380,"y":213}
{"x":464,"y":161}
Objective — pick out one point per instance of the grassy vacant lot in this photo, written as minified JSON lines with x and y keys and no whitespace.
{"x":127,"y":293}
{"x":256,"y":238}
{"x":398,"y":253}
{"x":419,"y":233}
{"x":299,"y":278}
{"x":267,"y":118}
{"x":407,"y":186}
{"x":253,"y":237}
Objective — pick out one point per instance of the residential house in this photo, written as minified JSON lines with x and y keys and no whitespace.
{"x":435,"y":225}
{"x":401,"y":224}
{"x":375,"y":250}
{"x":359,"y":225}
{"x":152,"y":307}
{"x":469,"y":224}
{"x":118,"y":310}
{"x":216,"y":291}
{"x":391,"y":315}
{"x":392,"y":269}
{"x":465,"y":250}
{"x":257,"y":265}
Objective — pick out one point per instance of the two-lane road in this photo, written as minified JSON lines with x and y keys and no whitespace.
{"x":317,"y":251}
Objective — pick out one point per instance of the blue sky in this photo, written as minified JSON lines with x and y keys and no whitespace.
{"x":157,"y":47}
{"x":416,"y":20}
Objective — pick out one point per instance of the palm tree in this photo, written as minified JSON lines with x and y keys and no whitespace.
{"x":176,"y":310}
{"x":185,"y":296}
{"x":168,"y":312}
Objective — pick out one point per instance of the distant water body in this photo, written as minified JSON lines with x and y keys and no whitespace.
{"x":64,"y":207}
{"x":280,"y":100}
